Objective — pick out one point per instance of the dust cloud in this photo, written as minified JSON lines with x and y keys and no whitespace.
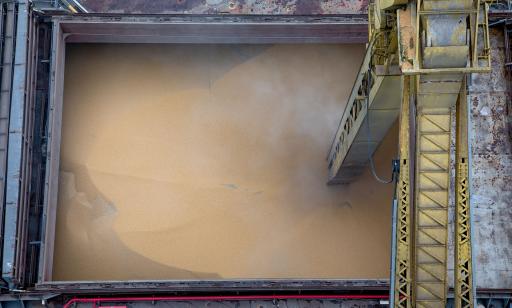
{"x":209,"y":162}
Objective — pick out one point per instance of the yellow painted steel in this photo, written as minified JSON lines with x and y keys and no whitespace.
{"x":422,"y":236}
{"x":463,"y":261}
{"x":436,"y":44}
{"x":423,"y":28}
{"x":403,"y":277}
{"x":440,"y":42}
{"x":431,"y":206}
{"x":72,"y":9}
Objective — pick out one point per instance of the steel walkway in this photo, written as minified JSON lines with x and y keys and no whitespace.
{"x":371,"y":110}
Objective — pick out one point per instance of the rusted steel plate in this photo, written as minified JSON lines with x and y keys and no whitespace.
{"x":239,"y":29}
{"x":491,"y":185}
{"x":257,"y":7}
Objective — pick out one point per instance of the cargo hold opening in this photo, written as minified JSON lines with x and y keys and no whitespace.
{"x":206,"y":161}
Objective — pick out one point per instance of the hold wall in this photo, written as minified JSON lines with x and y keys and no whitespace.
{"x":491,"y":177}
{"x":257,"y":7}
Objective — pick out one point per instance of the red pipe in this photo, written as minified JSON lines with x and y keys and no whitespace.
{"x":99,"y":300}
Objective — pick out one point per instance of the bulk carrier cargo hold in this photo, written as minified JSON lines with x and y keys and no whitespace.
{"x":175,"y":154}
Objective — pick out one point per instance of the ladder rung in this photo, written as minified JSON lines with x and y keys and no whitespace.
{"x":430,"y":226}
{"x":448,"y":12}
{"x":431,"y":245}
{"x":433,"y":189}
{"x":440,"y":186}
{"x":435,"y":133}
{"x":430,"y":281}
{"x":426,"y":152}
{"x":429,"y":263}
{"x":443,"y":169}
{"x":432,"y":208}
{"x":432,"y":171}
{"x":436,"y":227}
{"x":442,"y":227}
{"x":433,"y":152}
{"x":434,"y":113}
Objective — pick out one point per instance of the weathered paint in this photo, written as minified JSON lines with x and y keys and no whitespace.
{"x":258,"y":7}
{"x":256,"y":303}
{"x":192,"y":29}
{"x":491,"y":174}
{"x":15,"y":147}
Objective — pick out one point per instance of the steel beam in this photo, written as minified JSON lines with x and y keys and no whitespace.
{"x":402,"y":288}
{"x":372,"y":108}
{"x":19,"y":154}
{"x":55,"y":97}
{"x":464,"y":297}
{"x":246,"y":285}
{"x":112,"y":28}
{"x":7,"y":56}
{"x":15,"y":147}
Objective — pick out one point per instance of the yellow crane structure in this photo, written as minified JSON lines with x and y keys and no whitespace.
{"x":417,"y":62}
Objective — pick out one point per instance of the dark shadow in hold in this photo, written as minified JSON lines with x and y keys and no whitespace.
{"x":92,"y":237}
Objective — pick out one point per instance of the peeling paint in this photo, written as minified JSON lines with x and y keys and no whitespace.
{"x":257,"y":7}
{"x":491,"y":184}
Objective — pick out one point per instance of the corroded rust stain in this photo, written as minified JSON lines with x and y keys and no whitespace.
{"x":491,"y":185}
{"x":407,"y":44}
{"x":257,"y":7}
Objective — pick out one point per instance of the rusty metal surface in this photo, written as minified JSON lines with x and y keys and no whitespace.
{"x":189,"y":28}
{"x":134,"y":287}
{"x":256,"y":304}
{"x":491,"y":152}
{"x":507,"y":32}
{"x":258,"y":7}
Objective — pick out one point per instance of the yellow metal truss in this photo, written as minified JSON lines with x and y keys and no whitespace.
{"x":438,"y":43}
{"x":431,"y":206}
{"x":422,"y":210}
{"x":463,"y":262}
{"x":403,"y":272}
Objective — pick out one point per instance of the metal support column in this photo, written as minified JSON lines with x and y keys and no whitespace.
{"x":7,"y":59}
{"x":463,"y":264}
{"x":19,"y":146}
{"x":403,"y":271}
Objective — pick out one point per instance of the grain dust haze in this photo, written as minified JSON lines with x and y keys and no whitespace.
{"x":209,"y":162}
